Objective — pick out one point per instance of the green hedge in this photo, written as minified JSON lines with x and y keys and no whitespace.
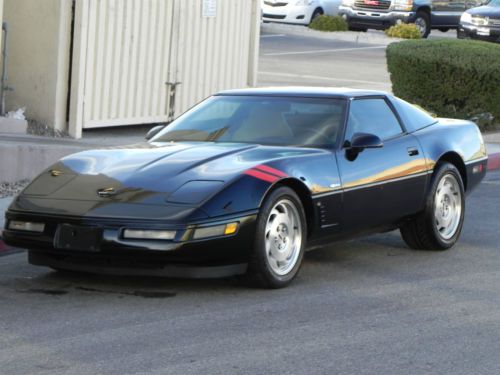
{"x":328,"y":23}
{"x":403,"y":30}
{"x":452,"y":78}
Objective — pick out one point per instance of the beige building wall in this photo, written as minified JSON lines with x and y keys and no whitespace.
{"x":38,"y":58}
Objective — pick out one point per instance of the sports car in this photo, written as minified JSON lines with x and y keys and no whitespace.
{"x":247,"y":180}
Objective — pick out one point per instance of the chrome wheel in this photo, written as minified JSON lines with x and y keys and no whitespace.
{"x":283,"y":237}
{"x":447,"y":206}
{"x":421,"y":25}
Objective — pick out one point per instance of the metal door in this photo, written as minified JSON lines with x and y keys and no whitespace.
{"x":123,"y":59}
{"x":147,"y":61}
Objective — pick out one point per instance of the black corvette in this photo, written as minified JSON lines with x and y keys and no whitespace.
{"x":247,"y":180}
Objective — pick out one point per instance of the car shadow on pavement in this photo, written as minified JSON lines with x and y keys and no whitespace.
{"x":388,"y":244}
{"x":60,"y":283}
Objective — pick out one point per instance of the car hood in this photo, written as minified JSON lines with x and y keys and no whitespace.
{"x":149,"y":173}
{"x":485,"y":10}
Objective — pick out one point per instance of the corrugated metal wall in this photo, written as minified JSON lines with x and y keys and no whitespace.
{"x":128,"y":53}
{"x":213,"y":53}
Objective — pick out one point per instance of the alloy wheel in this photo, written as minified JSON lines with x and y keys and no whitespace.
{"x":447,"y":206}
{"x":283,"y":237}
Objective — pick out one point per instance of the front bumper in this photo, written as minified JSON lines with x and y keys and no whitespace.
{"x":373,"y":19}
{"x":300,"y":15}
{"x":489,"y":33}
{"x":181,"y":257}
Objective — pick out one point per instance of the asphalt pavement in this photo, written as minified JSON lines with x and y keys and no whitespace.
{"x":301,"y":60}
{"x":369,"y":306}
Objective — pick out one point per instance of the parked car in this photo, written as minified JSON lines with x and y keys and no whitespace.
{"x":300,"y":12}
{"x":246,"y":180}
{"x":482,"y":22}
{"x":382,"y":14}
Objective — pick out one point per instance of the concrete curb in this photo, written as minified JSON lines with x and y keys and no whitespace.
{"x":494,"y":161}
{"x":4,"y":204}
{"x":346,"y":36}
{"x":3,"y":246}
{"x":25,"y":161}
{"x":8,"y":251}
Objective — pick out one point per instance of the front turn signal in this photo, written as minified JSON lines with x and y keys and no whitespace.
{"x":231,"y":229}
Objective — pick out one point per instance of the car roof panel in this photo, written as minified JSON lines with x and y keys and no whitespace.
{"x":326,"y":92}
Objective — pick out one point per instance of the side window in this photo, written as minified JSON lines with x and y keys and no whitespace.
{"x":372,"y":116}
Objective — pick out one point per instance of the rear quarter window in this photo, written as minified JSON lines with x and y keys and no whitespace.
{"x":413,"y":117}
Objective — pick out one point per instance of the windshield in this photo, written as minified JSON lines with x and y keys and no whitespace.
{"x":286,"y":121}
{"x":494,"y":3}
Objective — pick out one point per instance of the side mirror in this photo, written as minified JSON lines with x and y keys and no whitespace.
{"x":154,"y":131}
{"x":360,"y":141}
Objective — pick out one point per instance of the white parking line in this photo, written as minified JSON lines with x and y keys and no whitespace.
{"x":322,"y":78}
{"x":323,"y":51}
{"x":271,"y":36}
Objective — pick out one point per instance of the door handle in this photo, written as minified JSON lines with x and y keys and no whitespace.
{"x":412,"y":151}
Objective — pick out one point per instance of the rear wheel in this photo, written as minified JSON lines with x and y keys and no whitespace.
{"x":317,"y":12}
{"x":280,"y":240}
{"x":440,"y":225}
{"x":423,"y":23}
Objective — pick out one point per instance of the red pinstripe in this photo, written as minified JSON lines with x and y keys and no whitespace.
{"x":273,"y":171}
{"x":261,"y":175}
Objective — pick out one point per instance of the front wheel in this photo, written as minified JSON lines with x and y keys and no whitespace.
{"x":280,"y":240}
{"x":440,"y":225}
{"x":423,"y":23}
{"x":317,"y":12}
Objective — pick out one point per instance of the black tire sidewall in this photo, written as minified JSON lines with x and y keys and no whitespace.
{"x":260,"y":260}
{"x":442,"y":170}
{"x":427,"y":19}
{"x":317,"y":12}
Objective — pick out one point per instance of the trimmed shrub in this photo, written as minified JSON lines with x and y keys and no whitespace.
{"x":452,"y":78}
{"x":404,"y":31}
{"x":328,"y":23}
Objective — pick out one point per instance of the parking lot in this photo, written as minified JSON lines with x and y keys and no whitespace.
{"x":294,"y":59}
{"x":302,"y":60}
{"x":368,"y":306}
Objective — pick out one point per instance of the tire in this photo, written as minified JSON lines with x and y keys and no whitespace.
{"x":317,"y":12}
{"x":359,"y":29}
{"x":281,"y":210}
{"x":446,"y":201}
{"x":462,"y":35}
{"x":423,"y":22}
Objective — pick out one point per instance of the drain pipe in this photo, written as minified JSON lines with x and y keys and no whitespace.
{"x":3,"y":83}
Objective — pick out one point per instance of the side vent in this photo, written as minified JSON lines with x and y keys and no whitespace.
{"x":322,"y":213}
